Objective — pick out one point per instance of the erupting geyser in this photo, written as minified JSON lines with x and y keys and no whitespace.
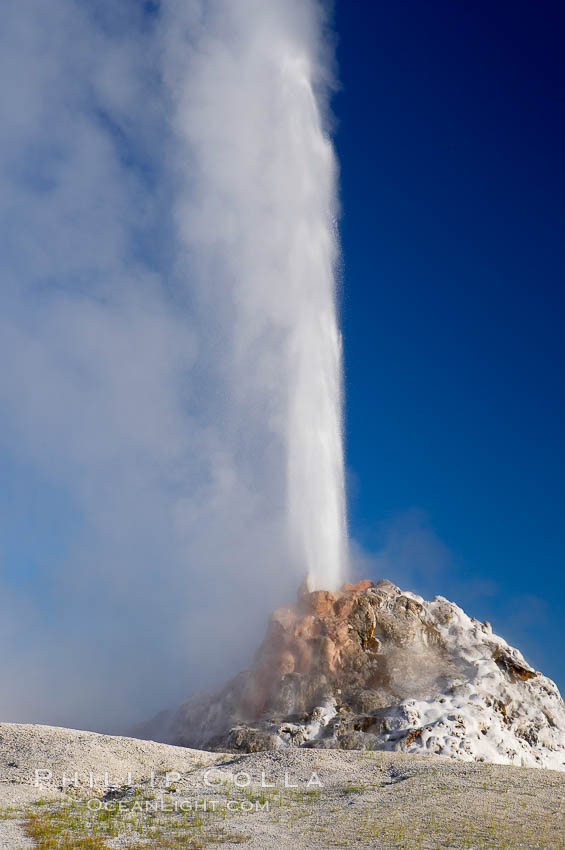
{"x":316,"y":497}
{"x":363,"y":665}
{"x":259,"y":226}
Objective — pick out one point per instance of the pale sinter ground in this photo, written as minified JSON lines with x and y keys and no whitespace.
{"x":333,"y":798}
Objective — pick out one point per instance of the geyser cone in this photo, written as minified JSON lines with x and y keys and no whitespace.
{"x":373,"y":667}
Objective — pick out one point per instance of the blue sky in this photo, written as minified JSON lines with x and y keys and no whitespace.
{"x":450,"y":136}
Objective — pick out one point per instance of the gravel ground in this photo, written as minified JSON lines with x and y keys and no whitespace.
{"x":300,"y":799}
{"x":12,"y":835}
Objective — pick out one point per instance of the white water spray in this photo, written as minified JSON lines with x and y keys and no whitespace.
{"x":258,"y":221}
{"x":316,"y":498}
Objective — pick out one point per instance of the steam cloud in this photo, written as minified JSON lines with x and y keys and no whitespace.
{"x":256,"y":212}
{"x":171,"y":438}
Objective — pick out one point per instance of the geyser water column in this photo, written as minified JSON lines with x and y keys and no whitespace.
{"x":316,"y":492}
{"x":256,"y":214}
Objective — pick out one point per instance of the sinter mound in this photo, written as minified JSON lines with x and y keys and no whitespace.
{"x":373,"y":667}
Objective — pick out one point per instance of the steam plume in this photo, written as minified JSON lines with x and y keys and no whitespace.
{"x":260,"y":221}
{"x":170,"y":439}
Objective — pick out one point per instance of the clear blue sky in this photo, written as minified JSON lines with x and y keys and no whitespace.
{"x":450,"y":138}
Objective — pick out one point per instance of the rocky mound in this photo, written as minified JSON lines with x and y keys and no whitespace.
{"x":373,"y":667}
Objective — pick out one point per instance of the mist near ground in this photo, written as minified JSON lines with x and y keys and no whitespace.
{"x":143,"y":514}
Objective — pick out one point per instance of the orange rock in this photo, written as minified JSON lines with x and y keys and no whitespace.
{"x":305,"y":627}
{"x":329,"y":654}
{"x":303,"y":654}
{"x":344,"y":606}
{"x":364,"y":584}
{"x":285,"y":663}
{"x":341,"y":632}
{"x":322,"y":601}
